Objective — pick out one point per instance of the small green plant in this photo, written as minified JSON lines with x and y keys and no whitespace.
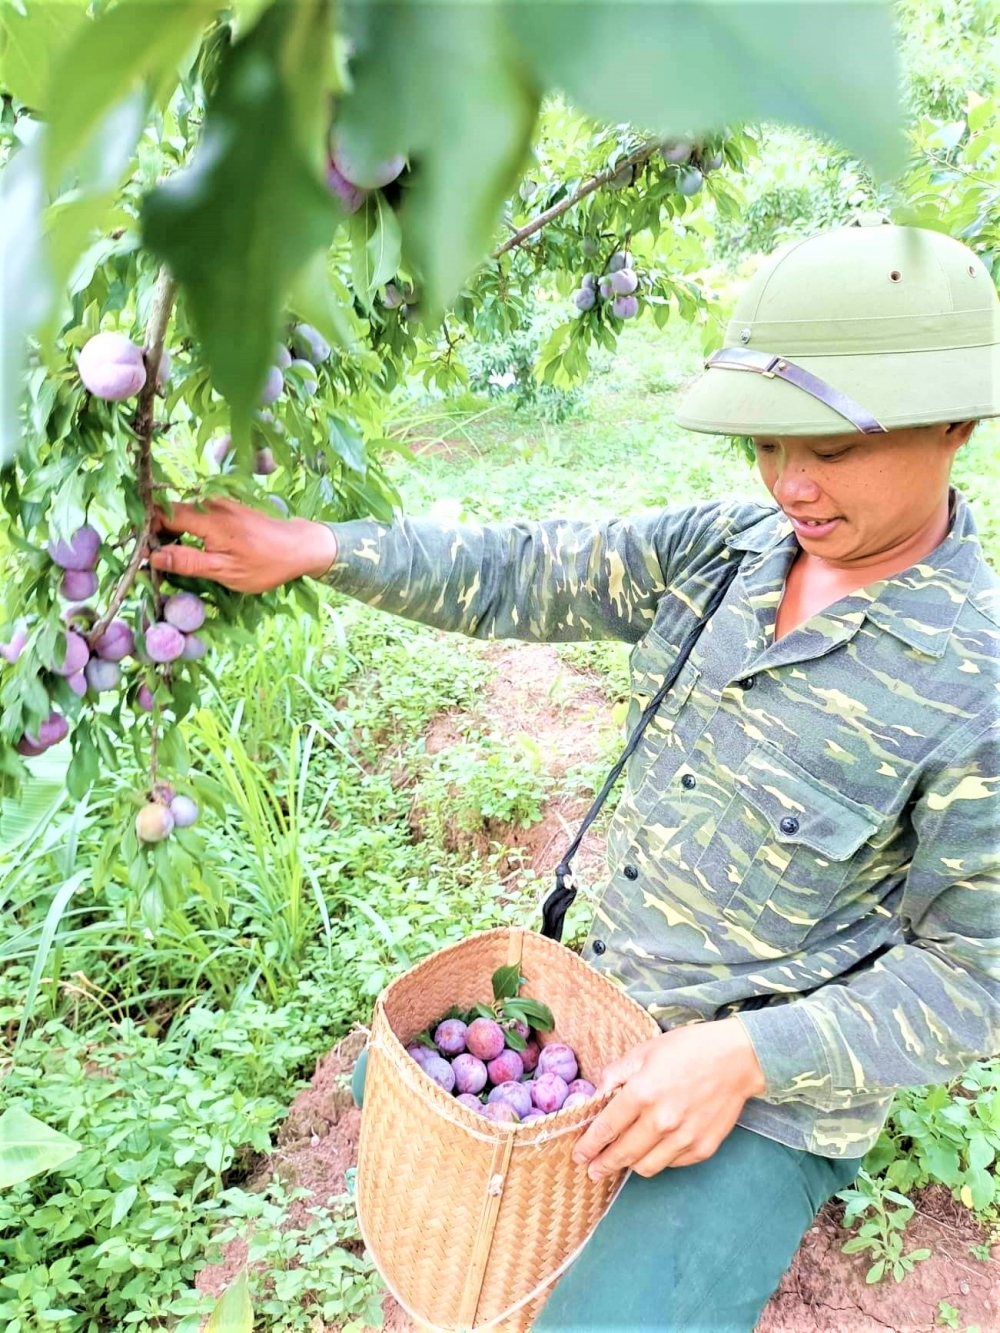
{"x":476,"y":783}
{"x":947,"y":1315}
{"x":881,"y":1232}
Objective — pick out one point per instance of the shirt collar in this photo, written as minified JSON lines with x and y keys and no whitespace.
{"x":921,"y":605}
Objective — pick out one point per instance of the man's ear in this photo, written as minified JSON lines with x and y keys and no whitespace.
{"x":959,"y":432}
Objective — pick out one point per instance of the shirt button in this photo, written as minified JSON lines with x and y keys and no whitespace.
{"x":630,"y":872}
{"x":789,"y":824}
{"x":689,"y":780}
{"x":747,"y":683}
{"x":599,"y":946}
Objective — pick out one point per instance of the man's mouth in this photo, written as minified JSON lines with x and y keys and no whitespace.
{"x":813,"y":527}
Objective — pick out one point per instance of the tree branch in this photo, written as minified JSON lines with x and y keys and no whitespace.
{"x":144,"y":425}
{"x":636,"y":158}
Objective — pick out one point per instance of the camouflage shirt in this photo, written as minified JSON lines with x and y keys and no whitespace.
{"x":810,"y":826}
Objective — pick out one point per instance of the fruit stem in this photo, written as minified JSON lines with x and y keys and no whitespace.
{"x":635,"y":159}
{"x":156,"y":332}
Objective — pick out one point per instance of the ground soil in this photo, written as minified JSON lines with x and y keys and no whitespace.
{"x":824,"y":1290}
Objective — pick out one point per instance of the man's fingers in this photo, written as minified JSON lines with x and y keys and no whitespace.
{"x":611,"y":1124}
{"x":198,"y":521}
{"x":187,"y":561}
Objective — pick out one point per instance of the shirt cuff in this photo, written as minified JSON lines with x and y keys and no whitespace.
{"x":790,"y":1051}
{"x":356,"y":567}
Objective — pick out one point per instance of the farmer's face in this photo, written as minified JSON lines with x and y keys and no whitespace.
{"x":873,"y":494}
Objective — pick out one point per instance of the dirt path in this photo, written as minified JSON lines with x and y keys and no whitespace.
{"x":824,"y":1291}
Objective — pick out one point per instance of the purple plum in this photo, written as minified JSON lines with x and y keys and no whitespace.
{"x":219,"y":450}
{"x":362,"y":175}
{"x":507,"y":1067}
{"x":77,"y":655}
{"x":676,"y":152}
{"x":111,"y":367}
{"x":690,"y":181}
{"x":184,"y":811}
{"x":393,"y":297}
{"x":54,"y":729}
{"x":581,"y":1085}
{"x":164,"y":643}
{"x":263,"y":463}
{"x":533,"y":1114}
{"x":449,"y":1036}
{"x":78,"y":584}
{"x":584,"y":299}
{"x":420,"y":1052}
{"x":273,"y":385}
{"x":473,"y":1103}
{"x":307,"y":372}
{"x":574,"y":1100}
{"x":11,"y":651}
{"x":102,"y":676}
{"x":78,"y":683}
{"x":605,"y":288}
{"x":185,"y":611}
{"x":485,"y":1038}
{"x":529,"y":1056}
{"x":712,"y":163}
{"x":515,"y":1095}
{"x":441,"y":1072}
{"x":501,"y":1113}
{"x":163,"y":793}
{"x":28,"y":748}
{"x":282,"y":357}
{"x":548,"y":1092}
{"x":80,"y":552}
{"x":309,"y":344}
{"x":624,"y":282}
{"x":619,"y":260}
{"x":153,"y":823}
{"x":144,"y":699}
{"x":590,"y":247}
{"x":589,"y":283}
{"x":351,"y":198}
{"x":195,"y":648}
{"x":470,"y":1073}
{"x":116,"y":642}
{"x":625,"y":307}
{"x":557,"y":1058}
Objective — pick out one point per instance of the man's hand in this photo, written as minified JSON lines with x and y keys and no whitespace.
{"x":243,"y":549}
{"x":681,"y":1094}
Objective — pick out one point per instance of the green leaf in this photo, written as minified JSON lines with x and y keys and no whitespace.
{"x":123,"y":1202}
{"x":28,"y":43}
{"x":312,"y":299}
{"x":680,"y":67}
{"x":445,"y":85}
{"x":244,"y":218}
{"x":28,"y":1148}
{"x":980,"y":1151}
{"x":136,"y":39}
{"x":506,"y":981}
{"x":915,"y":1256}
{"x":875,"y":1272}
{"x":534,"y":1013}
{"x":25,"y":293}
{"x":233,"y":1312}
{"x":855,"y":1245}
{"x":85,"y":764}
{"x":347,"y":444}
{"x":375,"y":246}
{"x":982,"y":1188}
{"x":515,"y":1041}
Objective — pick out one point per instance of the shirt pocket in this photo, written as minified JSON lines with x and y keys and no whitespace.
{"x":782,"y":849}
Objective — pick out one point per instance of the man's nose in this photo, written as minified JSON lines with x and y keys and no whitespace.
{"x":794,"y":485}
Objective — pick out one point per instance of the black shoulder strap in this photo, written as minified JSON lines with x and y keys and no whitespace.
{"x":559,"y":900}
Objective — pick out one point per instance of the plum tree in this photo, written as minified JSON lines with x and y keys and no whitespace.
{"x":449,"y":1036}
{"x":619,"y":260}
{"x":54,"y":729}
{"x":282,"y":356}
{"x":112,"y":367}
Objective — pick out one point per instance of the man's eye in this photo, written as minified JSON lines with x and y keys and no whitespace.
{"x":830,"y":457}
{"x":765,"y":448}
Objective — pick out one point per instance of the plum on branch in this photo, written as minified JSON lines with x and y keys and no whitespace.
{"x":80,"y":552}
{"x":164,"y":643}
{"x":76,"y":657}
{"x":625,"y":307}
{"x":116,"y":642}
{"x":309,"y":344}
{"x":273,"y":385}
{"x":185,"y":611}
{"x":374,"y":178}
{"x":153,"y":823}
{"x":184,"y":811}
{"x":77,"y":585}
{"x":102,"y":675}
{"x":112,"y":367}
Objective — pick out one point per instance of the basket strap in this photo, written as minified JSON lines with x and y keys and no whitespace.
{"x":560,"y":899}
{"x":484,"y":1236}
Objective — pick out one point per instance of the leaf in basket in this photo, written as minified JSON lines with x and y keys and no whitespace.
{"x":515,"y":1041}
{"x":453,"y":1012}
{"x":533,"y":1012}
{"x":479,"y":1011}
{"x":423,"y":1039}
{"x":506,"y":981}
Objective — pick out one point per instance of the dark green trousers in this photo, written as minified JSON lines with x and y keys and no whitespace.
{"x":694,"y":1249}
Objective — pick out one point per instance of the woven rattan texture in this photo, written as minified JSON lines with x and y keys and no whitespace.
{"x":463,"y":1217}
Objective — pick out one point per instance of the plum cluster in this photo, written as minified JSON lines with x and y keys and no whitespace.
{"x":350,"y":182}
{"x":476,"y":1062}
{"x":92,"y":666}
{"x":692,"y":161}
{"x":616,"y":286}
{"x":310,"y":350}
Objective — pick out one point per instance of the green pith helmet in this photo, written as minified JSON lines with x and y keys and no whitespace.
{"x":869,"y":327}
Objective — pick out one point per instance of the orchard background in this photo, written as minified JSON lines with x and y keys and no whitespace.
{"x":409,"y":199}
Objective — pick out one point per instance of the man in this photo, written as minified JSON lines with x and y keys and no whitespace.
{"x":804,"y":868}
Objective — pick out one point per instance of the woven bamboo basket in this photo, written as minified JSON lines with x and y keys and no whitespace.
{"x":469,"y":1222}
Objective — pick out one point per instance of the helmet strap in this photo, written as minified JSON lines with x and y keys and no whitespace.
{"x":776,"y":367}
